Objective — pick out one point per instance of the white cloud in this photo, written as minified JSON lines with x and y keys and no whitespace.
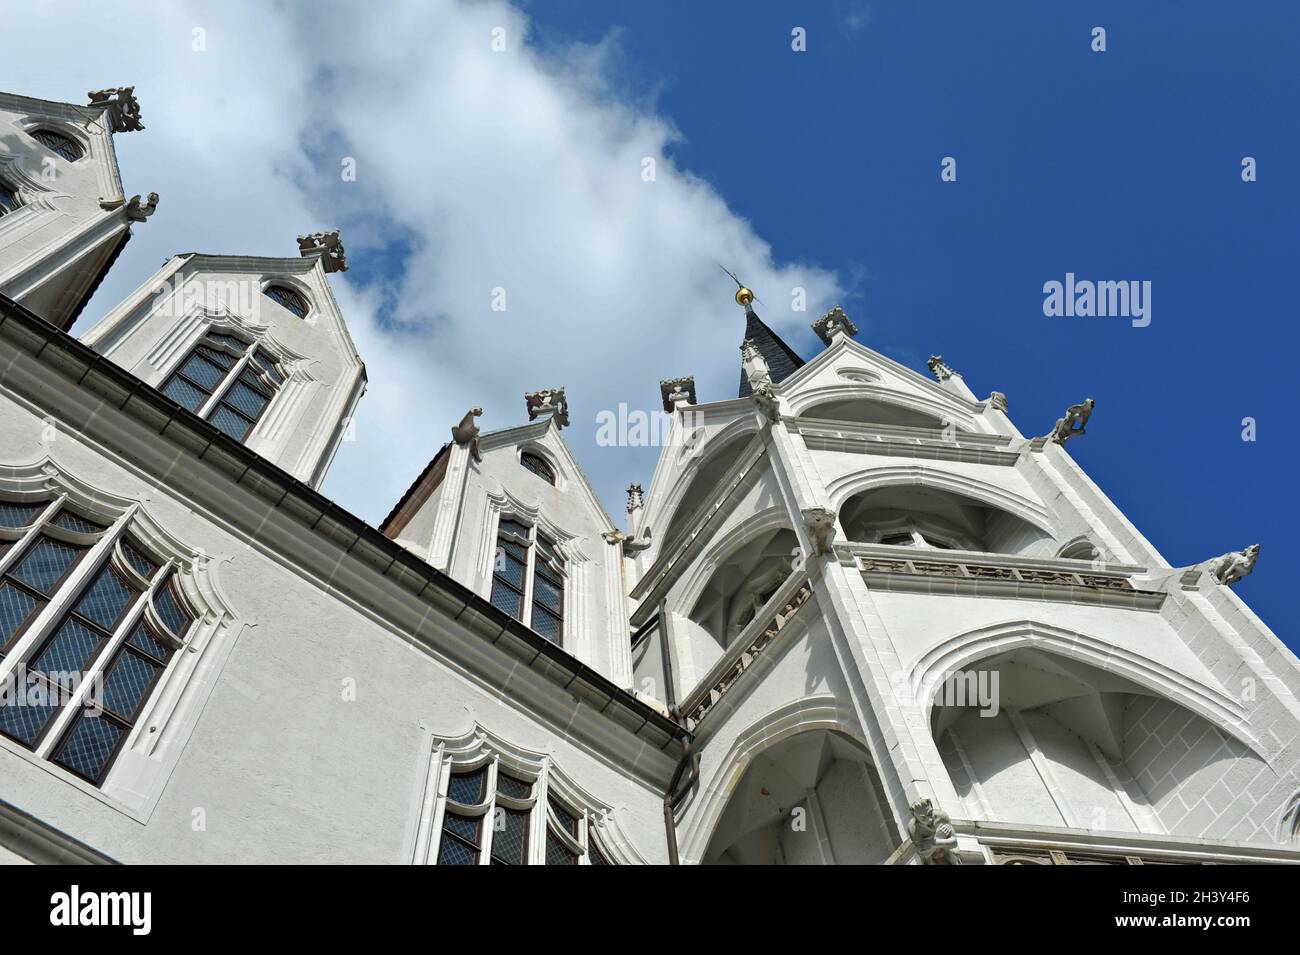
{"x":476,"y":169}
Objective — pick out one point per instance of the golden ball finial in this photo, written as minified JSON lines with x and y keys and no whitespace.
{"x":744,"y":297}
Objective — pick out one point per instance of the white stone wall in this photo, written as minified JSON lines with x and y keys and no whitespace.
{"x":265,"y":749}
{"x":71,"y":216}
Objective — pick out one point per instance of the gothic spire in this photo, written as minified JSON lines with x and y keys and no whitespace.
{"x":781,"y":359}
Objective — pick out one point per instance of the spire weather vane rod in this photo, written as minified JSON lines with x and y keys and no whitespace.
{"x":744,"y":296}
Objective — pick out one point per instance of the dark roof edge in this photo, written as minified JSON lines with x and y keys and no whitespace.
{"x":99,"y":279}
{"x":245,"y":461}
{"x":37,"y":841}
{"x":410,"y":491}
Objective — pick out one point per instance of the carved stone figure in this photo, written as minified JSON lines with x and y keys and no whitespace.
{"x":834,"y":324}
{"x":765,"y":399}
{"x":821,"y":524}
{"x":548,"y":401}
{"x":998,"y":401}
{"x":123,"y":108}
{"x":1231,"y":567}
{"x":632,"y":543}
{"x":932,"y":835}
{"x":1074,"y":422}
{"x":138,"y":211}
{"x":466,"y":433}
{"x":939,"y":368}
{"x":329,"y":246}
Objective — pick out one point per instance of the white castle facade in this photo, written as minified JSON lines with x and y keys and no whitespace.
{"x":856,"y":617}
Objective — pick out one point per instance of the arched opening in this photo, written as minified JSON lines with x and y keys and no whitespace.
{"x":862,"y":410}
{"x":911,"y":515}
{"x":1030,"y":737}
{"x":811,"y":799}
{"x":716,"y":463}
{"x":743,"y":583}
{"x":1081,"y":548}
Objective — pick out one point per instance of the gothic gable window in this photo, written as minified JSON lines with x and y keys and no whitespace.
{"x":226,"y":381}
{"x":498,"y":805}
{"x":528,"y":578}
{"x":287,"y":298}
{"x":58,"y":144}
{"x":8,"y":200}
{"x":89,"y":621}
{"x":538,"y":465}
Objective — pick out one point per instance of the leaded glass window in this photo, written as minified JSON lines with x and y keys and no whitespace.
{"x":287,"y":298}
{"x":548,"y":591}
{"x":493,"y":814}
{"x":509,"y":836}
{"x":36,"y":563}
{"x":92,"y":738}
{"x":226,"y":381}
{"x":538,"y":465}
{"x":462,"y":823}
{"x":85,"y":673}
{"x":510,"y":569}
{"x":563,"y":836}
{"x":461,"y":839}
{"x":9,"y":200}
{"x":57,"y":143}
{"x":528,"y":578}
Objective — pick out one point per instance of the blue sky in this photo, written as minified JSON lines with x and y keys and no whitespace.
{"x":521,"y":169}
{"x":1117,"y":165}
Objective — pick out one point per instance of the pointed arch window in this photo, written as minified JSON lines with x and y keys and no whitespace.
{"x":82,"y":649}
{"x":528,"y":579}
{"x":227,"y":381}
{"x":9,"y":200}
{"x":498,"y":806}
{"x":57,"y":143}
{"x":538,"y":465}
{"x":287,"y":298}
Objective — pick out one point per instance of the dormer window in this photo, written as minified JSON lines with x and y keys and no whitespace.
{"x":58,"y":144}
{"x":8,"y":200}
{"x":528,"y":579}
{"x":538,"y":465}
{"x":228,"y":382}
{"x":287,"y":298}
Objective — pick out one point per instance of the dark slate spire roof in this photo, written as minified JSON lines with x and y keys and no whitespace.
{"x":780,"y":357}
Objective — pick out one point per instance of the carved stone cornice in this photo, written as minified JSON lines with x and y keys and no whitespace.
{"x":747,"y":651}
{"x":913,"y":570}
